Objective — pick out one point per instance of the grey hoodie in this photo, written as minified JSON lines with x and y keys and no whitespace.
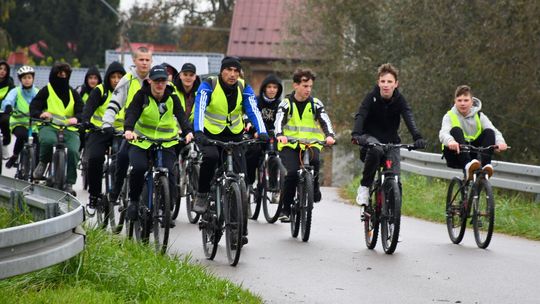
{"x":468,"y":124}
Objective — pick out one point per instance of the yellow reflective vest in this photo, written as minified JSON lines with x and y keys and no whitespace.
{"x":55,"y":106}
{"x":134,"y":86}
{"x":217,"y":116}
{"x":302,"y":129}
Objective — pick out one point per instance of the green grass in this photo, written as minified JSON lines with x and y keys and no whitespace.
{"x":10,"y":218}
{"x":114,"y":270}
{"x":515,"y":213}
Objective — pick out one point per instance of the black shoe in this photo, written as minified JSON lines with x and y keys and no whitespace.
{"x":69,"y":189}
{"x":132,"y":211}
{"x":113,"y":197}
{"x":93,"y":201}
{"x":244,"y":240}
{"x":40,"y":170}
{"x":201,"y":203}
{"x":317,"y":193}
{"x":12,"y":161}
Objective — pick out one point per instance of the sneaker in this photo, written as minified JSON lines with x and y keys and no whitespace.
{"x":317,"y":194}
{"x":488,"y":169}
{"x":5,"y":152}
{"x":93,"y":201}
{"x":113,"y":197}
{"x":362,"y":196}
{"x":132,"y":210}
{"x":470,"y":167}
{"x":244,"y":240}
{"x":201,"y":203}
{"x":69,"y":189}
{"x":40,"y":170}
{"x":11,"y":161}
{"x":284,"y":218}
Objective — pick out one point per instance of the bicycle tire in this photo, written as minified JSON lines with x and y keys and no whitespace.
{"x":456,"y":213}
{"x":270,"y":200}
{"x":295,"y":210}
{"x":234,"y":222}
{"x":371,"y":217}
{"x":483,"y":214}
{"x":117,"y":210}
{"x":102,"y":213}
{"x":192,"y":180}
{"x":161,"y":214}
{"x":390,"y":216}
{"x":254,"y":202}
{"x":210,"y":232}
{"x":179,"y":190}
{"x":143,"y":222}
{"x":60,"y":169}
{"x":306,"y":208}
{"x":84,"y":168}
{"x":23,"y":167}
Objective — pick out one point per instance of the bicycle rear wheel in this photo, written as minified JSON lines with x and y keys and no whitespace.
{"x":192,"y":179}
{"x":483,"y":214}
{"x":102,"y":212}
{"x":456,"y":213}
{"x":295,"y":210}
{"x":371,"y":218}
{"x":117,"y":208}
{"x":211,"y":231}
{"x":391,"y":216}
{"x":180,"y":189}
{"x":23,"y":167}
{"x":161,"y":214}
{"x":306,"y":207}
{"x":254,"y":200}
{"x":271,"y":193}
{"x":60,"y":169}
{"x":233,"y":215}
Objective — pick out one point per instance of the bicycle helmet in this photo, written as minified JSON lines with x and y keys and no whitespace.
{"x":25,"y":69}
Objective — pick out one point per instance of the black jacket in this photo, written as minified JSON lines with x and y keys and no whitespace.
{"x":85,"y":88}
{"x":188,"y":96}
{"x":380,"y":118}
{"x":269,"y":108}
{"x":136,"y":107}
{"x":8,"y":81}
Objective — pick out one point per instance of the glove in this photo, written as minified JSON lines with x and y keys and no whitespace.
{"x":200,"y":138}
{"x":360,"y":140}
{"x":264,"y":137}
{"x":420,"y":143}
{"x":108,"y":130}
{"x":86,"y":125}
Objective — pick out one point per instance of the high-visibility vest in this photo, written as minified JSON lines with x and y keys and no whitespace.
{"x":217,"y":116}
{"x":183,"y":102}
{"x":97,"y":117}
{"x":3,"y":92}
{"x":134,"y":86}
{"x":456,"y":123}
{"x":155,"y":126}
{"x":55,"y":106}
{"x":21,"y":114}
{"x":85,"y":96}
{"x":303,"y":129}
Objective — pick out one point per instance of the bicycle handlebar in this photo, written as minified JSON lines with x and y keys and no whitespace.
{"x":469,"y":148}
{"x":310,"y":143}
{"x":230,"y":144}
{"x":390,"y":146}
{"x":51,"y":122}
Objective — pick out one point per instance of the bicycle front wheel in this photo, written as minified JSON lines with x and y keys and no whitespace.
{"x":211,"y":231}
{"x":161,"y":214}
{"x":60,"y":169}
{"x":295,"y":216}
{"x":483,"y":214}
{"x":456,"y":213}
{"x":232,"y":209}
{"x":180,"y":189}
{"x":390,"y":216}
{"x":192,"y":179}
{"x":371,"y":218}
{"x":23,"y":170}
{"x":306,"y":207}
{"x":270,"y":197}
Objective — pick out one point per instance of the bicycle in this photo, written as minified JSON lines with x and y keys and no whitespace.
{"x":154,"y":212}
{"x":187,"y":179}
{"x":302,"y":206}
{"x":474,"y":195}
{"x":27,"y":160}
{"x":225,"y":210}
{"x":384,"y":206}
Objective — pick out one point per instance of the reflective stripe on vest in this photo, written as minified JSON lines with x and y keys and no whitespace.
{"x":217,"y":117}
{"x":55,"y":106}
{"x":20,"y":115}
{"x":134,"y":86}
{"x":456,"y":123}
{"x":303,"y":129}
{"x":155,"y":126}
{"x":97,"y":117}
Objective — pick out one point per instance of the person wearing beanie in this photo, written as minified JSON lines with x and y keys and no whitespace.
{"x":6,"y":84}
{"x":98,"y":142}
{"x":58,"y":99}
{"x":220,"y":104}
{"x":17,"y":104}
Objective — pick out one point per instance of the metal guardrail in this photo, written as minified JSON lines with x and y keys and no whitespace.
{"x":507,"y":175}
{"x":54,"y":237}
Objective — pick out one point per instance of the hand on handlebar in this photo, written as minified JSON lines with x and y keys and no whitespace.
{"x":46,"y":116}
{"x":189,"y":137}
{"x":454,"y":146}
{"x":501,"y":147}
{"x":72,"y":121}
{"x":282,"y":139}
{"x":330,"y":140}
{"x":130,"y":135}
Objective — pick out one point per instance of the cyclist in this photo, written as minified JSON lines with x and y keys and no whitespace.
{"x":377,"y":120}
{"x":115,"y":113}
{"x":219,"y":107}
{"x":155,"y":112}
{"x":267,"y":102}
{"x":62,"y":104}
{"x":98,"y":142}
{"x":19,"y":100}
{"x":171,"y":71}
{"x":464,"y":123}
{"x":186,"y":84}
{"x":6,"y":84}
{"x":301,"y":116}
{"x":91,"y":80}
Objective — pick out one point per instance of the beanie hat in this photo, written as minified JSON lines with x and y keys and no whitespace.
{"x":228,"y":62}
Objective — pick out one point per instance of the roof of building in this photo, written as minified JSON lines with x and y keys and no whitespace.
{"x":152,"y":46}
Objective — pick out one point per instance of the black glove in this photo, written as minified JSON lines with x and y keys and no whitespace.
{"x":264,"y":137}
{"x":108,"y":130}
{"x":200,"y":138}
{"x":360,"y":139}
{"x":420,"y":143}
{"x":87,"y":125}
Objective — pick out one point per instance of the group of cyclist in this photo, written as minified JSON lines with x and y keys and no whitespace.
{"x":159,"y":102}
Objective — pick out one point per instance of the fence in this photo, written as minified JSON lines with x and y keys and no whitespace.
{"x":54,"y":237}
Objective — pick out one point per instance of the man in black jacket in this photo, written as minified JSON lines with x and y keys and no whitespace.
{"x":378,"y":120}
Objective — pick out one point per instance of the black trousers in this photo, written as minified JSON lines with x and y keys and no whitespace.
{"x":291,"y":160}
{"x":373,"y":159}
{"x":96,"y":147}
{"x":122,"y":165}
{"x":4,"y":128}
{"x":138,"y":158}
{"x":21,"y":135}
{"x":254,"y":155}
{"x":458,"y":161}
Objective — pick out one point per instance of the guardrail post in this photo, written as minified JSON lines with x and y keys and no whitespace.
{"x":537,"y":198}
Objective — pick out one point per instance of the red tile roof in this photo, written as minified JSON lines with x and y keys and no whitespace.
{"x":257,"y":29}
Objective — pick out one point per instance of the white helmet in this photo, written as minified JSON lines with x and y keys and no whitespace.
{"x":25,"y":69}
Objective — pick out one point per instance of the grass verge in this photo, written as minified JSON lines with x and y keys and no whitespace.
{"x":516,"y":213}
{"x":114,"y":270}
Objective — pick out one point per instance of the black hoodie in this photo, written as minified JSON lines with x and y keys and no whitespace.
{"x":188,"y":96}
{"x":61,"y":88}
{"x":85,"y":89}
{"x":96,"y":100}
{"x":6,"y":82}
{"x":136,"y":107}
{"x":268,"y":107}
